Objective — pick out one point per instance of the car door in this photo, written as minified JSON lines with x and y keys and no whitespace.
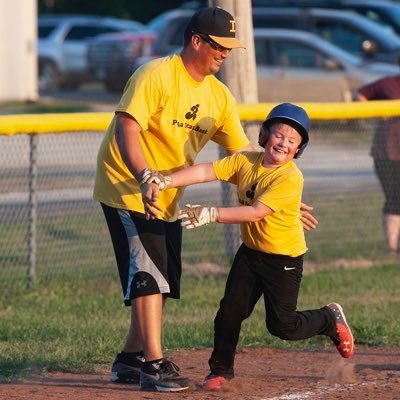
{"x":288,"y":70}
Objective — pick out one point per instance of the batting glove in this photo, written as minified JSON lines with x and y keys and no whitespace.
{"x":152,"y":176}
{"x":194,"y":216}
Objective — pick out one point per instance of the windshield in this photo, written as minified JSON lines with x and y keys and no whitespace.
{"x":44,"y":31}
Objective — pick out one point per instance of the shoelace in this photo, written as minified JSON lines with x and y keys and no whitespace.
{"x":169,"y":367}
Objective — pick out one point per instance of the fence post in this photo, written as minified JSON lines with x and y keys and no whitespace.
{"x":33,"y":139}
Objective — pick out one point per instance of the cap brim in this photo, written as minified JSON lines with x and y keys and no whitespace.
{"x":228,"y":42}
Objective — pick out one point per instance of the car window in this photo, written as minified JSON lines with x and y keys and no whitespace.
{"x":341,"y":35}
{"x":45,"y":30}
{"x":266,"y":21}
{"x":261,"y":49}
{"x":288,"y":53}
{"x":80,"y":32}
{"x":378,"y":18}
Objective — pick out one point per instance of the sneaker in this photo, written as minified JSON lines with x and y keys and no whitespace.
{"x":127,"y":369}
{"x":162,"y":376}
{"x":213,"y":382}
{"x":344,"y":341}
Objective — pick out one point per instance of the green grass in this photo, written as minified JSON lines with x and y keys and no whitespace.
{"x":41,"y":107}
{"x":81,"y":323}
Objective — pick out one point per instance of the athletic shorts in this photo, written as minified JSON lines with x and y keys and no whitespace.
{"x":388,"y":173}
{"x":148,"y":253}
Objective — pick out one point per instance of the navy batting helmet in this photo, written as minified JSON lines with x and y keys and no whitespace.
{"x":292,"y":115}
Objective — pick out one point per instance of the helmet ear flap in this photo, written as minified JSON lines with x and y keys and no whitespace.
{"x":263,"y":136}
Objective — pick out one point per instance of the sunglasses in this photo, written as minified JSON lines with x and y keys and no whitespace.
{"x":214,"y":45}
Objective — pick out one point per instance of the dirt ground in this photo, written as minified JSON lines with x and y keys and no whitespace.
{"x":261,"y":374}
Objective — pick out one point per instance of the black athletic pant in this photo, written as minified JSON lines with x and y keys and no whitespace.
{"x":277,"y":278}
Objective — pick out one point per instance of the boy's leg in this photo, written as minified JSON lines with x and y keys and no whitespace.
{"x":281,"y":287}
{"x":241,"y":294}
{"x":281,"y":278}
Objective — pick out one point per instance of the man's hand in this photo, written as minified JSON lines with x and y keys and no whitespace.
{"x":149,"y":197}
{"x":194,"y":216}
{"x":308,"y":221}
{"x":151,"y":182}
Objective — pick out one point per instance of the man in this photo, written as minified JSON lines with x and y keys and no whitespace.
{"x":170,"y":108}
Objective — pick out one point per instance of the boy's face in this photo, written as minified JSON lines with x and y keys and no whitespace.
{"x":282,"y":145}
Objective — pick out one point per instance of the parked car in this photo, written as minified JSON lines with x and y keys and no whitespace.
{"x":112,"y":55}
{"x":348,"y":30}
{"x":112,"y":60}
{"x":62,"y":46}
{"x":384,"y":12}
{"x":300,"y":66}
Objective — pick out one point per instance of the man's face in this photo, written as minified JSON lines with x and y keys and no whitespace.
{"x":210,"y":54}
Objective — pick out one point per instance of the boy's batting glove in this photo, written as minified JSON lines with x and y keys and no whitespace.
{"x":152,"y":176}
{"x":194,"y":216}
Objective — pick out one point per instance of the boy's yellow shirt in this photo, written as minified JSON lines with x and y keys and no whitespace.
{"x":278,"y":188}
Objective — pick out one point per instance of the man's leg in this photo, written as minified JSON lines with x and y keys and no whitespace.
{"x":147,"y":316}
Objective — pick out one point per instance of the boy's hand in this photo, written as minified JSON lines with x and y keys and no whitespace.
{"x":308,"y":221}
{"x":194,"y":216}
{"x":152,"y":176}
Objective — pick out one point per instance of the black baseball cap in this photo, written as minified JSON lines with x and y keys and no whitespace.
{"x":218,"y":24}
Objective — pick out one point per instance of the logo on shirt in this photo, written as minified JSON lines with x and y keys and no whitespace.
{"x":249,"y":195}
{"x":193,"y":112}
{"x":190,"y":115}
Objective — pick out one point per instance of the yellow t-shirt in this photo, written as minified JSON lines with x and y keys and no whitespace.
{"x":178,"y":116}
{"x":278,"y":188}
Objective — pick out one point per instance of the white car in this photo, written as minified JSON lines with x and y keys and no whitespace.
{"x":301,"y":66}
{"x":62,"y":46}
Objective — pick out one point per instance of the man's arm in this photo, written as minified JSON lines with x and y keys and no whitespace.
{"x":307,"y":219}
{"x":127,"y":137}
{"x":249,"y":147}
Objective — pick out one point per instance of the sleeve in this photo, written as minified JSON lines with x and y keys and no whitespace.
{"x":227,"y":168}
{"x":141,"y":98}
{"x":371,"y":91}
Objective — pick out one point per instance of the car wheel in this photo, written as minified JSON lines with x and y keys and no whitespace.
{"x":49,"y":77}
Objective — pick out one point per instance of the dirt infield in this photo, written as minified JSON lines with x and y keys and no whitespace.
{"x":261,"y":374}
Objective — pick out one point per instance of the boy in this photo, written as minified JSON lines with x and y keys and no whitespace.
{"x":270,"y":260}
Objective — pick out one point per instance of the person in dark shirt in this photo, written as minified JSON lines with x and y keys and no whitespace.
{"x":385,"y":151}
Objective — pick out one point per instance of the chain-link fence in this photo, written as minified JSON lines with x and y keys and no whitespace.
{"x":50,"y":227}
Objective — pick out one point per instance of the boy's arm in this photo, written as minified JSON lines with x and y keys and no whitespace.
{"x":199,"y":173}
{"x":194,"y":216}
{"x":153,"y":181}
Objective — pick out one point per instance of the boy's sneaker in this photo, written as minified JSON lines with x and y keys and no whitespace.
{"x":213,"y":382}
{"x":344,"y":341}
{"x":162,"y":376}
{"x":126,"y":368}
